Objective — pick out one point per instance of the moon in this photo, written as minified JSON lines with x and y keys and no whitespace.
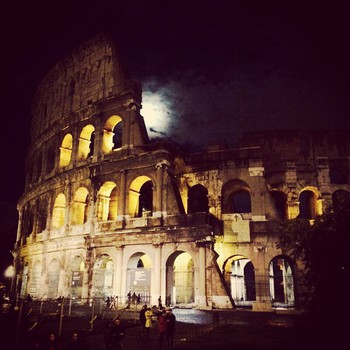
{"x":156,"y":113}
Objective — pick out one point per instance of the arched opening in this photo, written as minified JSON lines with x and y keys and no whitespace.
{"x":53,"y":279}
{"x":103,"y":276}
{"x":107,"y":202}
{"x":42,"y":215}
{"x":35,"y":280}
{"x":59,"y":210}
{"x":50,"y":159}
{"x":138,"y":277}
{"x":111,"y":140}
{"x":66,"y":150}
{"x":86,"y":142}
{"x":118,"y":135}
{"x":180,"y":278}
{"x":77,"y":273}
{"x":79,"y":206}
{"x":239,"y":275}
{"x":281,"y":282}
{"x":141,"y":197}
{"x":198,"y":199}
{"x":279,"y":200}
{"x":307,"y":205}
{"x":236,"y":197}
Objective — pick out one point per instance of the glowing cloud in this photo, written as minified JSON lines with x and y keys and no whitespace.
{"x":156,"y":113}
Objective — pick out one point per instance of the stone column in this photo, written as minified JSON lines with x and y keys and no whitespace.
{"x":156,"y":275}
{"x":263,"y":298}
{"x":201,"y":296}
{"x":119,"y":272}
{"x":122,"y":195}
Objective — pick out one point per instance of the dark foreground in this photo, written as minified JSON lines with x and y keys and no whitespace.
{"x":226,"y":330}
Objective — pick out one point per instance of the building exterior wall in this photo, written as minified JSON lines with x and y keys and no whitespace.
{"x":87,"y":223}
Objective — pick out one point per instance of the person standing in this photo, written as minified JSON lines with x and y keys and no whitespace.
{"x":162,"y":327}
{"x":148,"y":322}
{"x":170,"y":328}
{"x":51,"y":343}
{"x":74,"y":343}
{"x":142,"y":317}
{"x":117,"y":335}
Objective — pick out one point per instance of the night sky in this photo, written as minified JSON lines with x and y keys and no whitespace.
{"x":220,"y":68}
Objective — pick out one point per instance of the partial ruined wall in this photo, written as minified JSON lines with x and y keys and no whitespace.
{"x":89,"y":74}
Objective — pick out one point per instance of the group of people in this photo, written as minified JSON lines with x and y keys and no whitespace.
{"x":166,"y":325}
{"x":76,"y":342}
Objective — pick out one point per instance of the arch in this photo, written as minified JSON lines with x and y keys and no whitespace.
{"x":138,"y":276}
{"x":86,"y":142}
{"x":279,"y":200}
{"x":50,"y":158}
{"x":180,"y":278}
{"x":35,"y":280}
{"x":103,"y":276}
{"x":309,"y":204}
{"x":66,"y":150}
{"x":197,"y":199}
{"x":79,"y":206}
{"x":236,"y":197}
{"x":239,"y":275}
{"x":53,"y":279}
{"x":77,"y":267}
{"x":59,"y":211}
{"x":108,"y":140}
{"x":281,"y":282}
{"x":42,"y":215}
{"x":141,"y":197}
{"x":107,"y":202}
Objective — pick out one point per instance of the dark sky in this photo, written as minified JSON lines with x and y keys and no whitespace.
{"x":223,"y":67}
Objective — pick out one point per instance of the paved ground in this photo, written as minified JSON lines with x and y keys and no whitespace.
{"x":195,"y":330}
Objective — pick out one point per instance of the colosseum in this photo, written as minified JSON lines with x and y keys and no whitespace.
{"x":107,"y":212}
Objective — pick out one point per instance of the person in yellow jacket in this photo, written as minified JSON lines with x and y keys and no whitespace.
{"x":148,"y":323}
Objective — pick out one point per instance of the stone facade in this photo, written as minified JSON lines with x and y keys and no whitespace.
{"x":106,"y":211}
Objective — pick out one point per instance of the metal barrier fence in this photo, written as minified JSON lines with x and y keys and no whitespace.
{"x":32,"y":315}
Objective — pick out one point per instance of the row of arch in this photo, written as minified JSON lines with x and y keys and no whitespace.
{"x":236,"y":199}
{"x":239,"y":274}
{"x":85,"y":147}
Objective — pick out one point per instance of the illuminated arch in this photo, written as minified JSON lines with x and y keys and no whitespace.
{"x":310,"y":203}
{"x":236,"y":197}
{"x":109,"y":141}
{"x":53,"y":278}
{"x":239,"y":275}
{"x":59,"y":210}
{"x":79,"y":206}
{"x":180,"y":278}
{"x":86,"y":142}
{"x":66,"y":150}
{"x":281,"y":282}
{"x":141,"y":197}
{"x":138,"y":276}
{"x":107,"y":202}
{"x":35,"y":279}
{"x":77,"y":267}
{"x":103,"y":276}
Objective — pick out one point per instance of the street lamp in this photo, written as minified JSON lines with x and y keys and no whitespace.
{"x":9,"y":272}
